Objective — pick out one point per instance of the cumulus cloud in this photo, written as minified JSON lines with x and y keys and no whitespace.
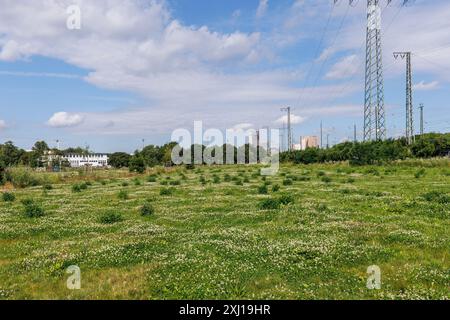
{"x":64,"y":120}
{"x":426,"y":86}
{"x":2,"y":124}
{"x":262,"y":8}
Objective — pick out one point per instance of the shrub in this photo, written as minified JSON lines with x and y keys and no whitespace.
{"x":286,"y":199}
{"x":32,"y":209}
{"x":304,"y":178}
{"x":123,"y":195}
{"x":227,"y":178}
{"x":111,"y":217}
{"x":47,"y":187}
{"x":125,"y":184}
{"x":420,"y":173}
{"x":438,"y":197}
{"x":137,"y":182}
{"x":326,"y":179}
{"x":151,"y":179}
{"x":322,"y":207}
{"x":8,"y":197}
{"x":276,"y":188}
{"x":269,"y":204}
{"x":287,"y":182}
{"x":164,"y":183}
{"x":351,"y":180}
{"x":246,"y":179}
{"x":76,"y":188}
{"x":23,"y":177}
{"x":147,"y":210}
{"x":175,"y":183}
{"x":263,"y":189}
{"x":238,"y":182}
{"x":166,"y":191}
{"x":320,"y":174}
{"x":216,"y":179}
{"x":103,"y":182}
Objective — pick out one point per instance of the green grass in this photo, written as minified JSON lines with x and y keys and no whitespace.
{"x":210,"y":238}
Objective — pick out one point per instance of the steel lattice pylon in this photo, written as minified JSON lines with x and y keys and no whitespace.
{"x":374,"y":110}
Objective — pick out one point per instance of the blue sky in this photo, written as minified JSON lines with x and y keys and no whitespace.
{"x":141,"y":69}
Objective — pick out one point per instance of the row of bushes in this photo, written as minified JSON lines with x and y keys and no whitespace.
{"x":374,"y":152}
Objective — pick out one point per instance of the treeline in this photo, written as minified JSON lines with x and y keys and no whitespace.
{"x":152,"y":156}
{"x":374,"y":152}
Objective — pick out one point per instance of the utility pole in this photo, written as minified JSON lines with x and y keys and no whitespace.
{"x":409,"y":96}
{"x":421,"y":120}
{"x":321,"y":135}
{"x":328,"y":140}
{"x":289,"y":128}
{"x":355,"y":139}
{"x":374,"y":109}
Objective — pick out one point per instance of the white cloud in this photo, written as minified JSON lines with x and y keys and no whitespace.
{"x":64,"y":119}
{"x":424,"y":86}
{"x":345,"y":68}
{"x":295,"y":119}
{"x":2,"y":124}
{"x":262,"y":8}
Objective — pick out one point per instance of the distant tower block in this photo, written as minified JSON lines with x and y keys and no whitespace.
{"x":374,"y":110}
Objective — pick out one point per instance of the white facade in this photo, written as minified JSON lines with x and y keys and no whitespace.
{"x":92,"y":160}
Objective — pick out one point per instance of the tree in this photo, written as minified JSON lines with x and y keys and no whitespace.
{"x":137,"y":164}
{"x":119,"y":160}
{"x":10,"y":154}
{"x":41,"y":147}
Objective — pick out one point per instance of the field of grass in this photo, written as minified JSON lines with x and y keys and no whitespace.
{"x":310,"y":232}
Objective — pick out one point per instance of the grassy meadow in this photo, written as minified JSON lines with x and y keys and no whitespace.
{"x":226,"y":232}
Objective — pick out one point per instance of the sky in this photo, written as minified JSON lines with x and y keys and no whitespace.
{"x":140,"y":69}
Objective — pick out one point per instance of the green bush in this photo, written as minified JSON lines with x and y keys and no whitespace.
{"x":175,"y":183}
{"x":137,"y":182}
{"x":287,"y":182}
{"x":147,"y":210}
{"x":24,"y":177}
{"x":263,"y":189}
{"x":438,"y":197}
{"x":76,"y":188}
{"x":123,"y":195}
{"x":227,"y":178}
{"x":286,"y":199}
{"x":125,"y":184}
{"x":111,"y":217}
{"x":151,"y":179}
{"x":47,"y":187}
{"x":420,"y":173}
{"x":269,"y":204}
{"x":166,"y":191}
{"x":216,"y":179}
{"x":32,"y":209}
{"x":8,"y":197}
{"x":276,"y":188}
{"x":326,"y":179}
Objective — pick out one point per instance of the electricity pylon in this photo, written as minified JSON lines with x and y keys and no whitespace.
{"x":409,"y":96}
{"x":374,"y":110}
{"x":289,"y":128}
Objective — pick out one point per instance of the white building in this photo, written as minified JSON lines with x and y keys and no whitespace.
{"x":92,"y":160}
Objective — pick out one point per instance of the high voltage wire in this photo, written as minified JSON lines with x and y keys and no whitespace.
{"x":332,"y":45}
{"x":317,"y":52}
{"x":348,"y":83}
